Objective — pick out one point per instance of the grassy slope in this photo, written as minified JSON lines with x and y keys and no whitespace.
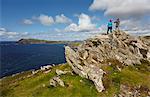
{"x":33,"y":87}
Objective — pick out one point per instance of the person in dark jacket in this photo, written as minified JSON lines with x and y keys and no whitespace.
{"x":117,"y":22}
{"x":109,"y":25}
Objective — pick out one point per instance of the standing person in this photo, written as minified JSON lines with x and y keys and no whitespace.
{"x":117,"y":22}
{"x":109,"y":26}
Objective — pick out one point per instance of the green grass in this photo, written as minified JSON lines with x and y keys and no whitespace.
{"x":75,"y":86}
{"x":133,"y":76}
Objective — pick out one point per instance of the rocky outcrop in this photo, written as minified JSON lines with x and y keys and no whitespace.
{"x":126,"y":49}
{"x":88,"y":71}
{"x":87,"y":59}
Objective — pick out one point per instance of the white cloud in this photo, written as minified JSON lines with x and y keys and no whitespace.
{"x":136,"y":27}
{"x":27,"y":21}
{"x":8,"y":35}
{"x":46,"y":20}
{"x":2,"y":29}
{"x":72,"y":28}
{"x":84,"y":24}
{"x":49,"y":20}
{"x":96,"y":18}
{"x":133,"y":13}
{"x":122,"y":8}
{"x":62,"y":19}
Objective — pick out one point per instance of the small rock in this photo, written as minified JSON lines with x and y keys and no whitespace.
{"x":43,"y":85}
{"x":45,"y":67}
{"x":52,"y":82}
{"x":59,"y":81}
{"x":59,"y":72}
{"x":81,"y":81}
{"x":118,"y":68}
{"x":47,"y":71}
{"x":56,"y":80}
{"x":34,"y":71}
{"x":53,"y":64}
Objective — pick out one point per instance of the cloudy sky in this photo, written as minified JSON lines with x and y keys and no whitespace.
{"x":70,"y":19}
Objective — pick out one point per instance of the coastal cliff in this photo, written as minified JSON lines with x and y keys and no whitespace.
{"x":89,"y":58}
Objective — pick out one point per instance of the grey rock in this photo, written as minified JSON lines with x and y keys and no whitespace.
{"x":89,"y":71}
{"x":52,"y":82}
{"x":59,"y":81}
{"x":45,"y":67}
{"x":56,"y":81}
{"x":35,"y":71}
{"x":59,"y":72}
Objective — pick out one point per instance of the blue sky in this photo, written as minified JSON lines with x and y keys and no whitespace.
{"x":69,"y":19}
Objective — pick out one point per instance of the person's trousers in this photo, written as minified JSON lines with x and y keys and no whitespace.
{"x":109,"y":29}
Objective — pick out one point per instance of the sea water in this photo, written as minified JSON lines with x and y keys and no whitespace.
{"x":15,"y":58}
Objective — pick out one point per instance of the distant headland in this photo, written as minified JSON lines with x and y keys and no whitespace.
{"x":38,"y":41}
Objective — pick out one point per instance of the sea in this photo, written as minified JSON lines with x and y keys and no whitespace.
{"x":16,"y":58}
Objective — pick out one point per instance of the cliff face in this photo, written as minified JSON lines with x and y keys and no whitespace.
{"x":93,"y":53}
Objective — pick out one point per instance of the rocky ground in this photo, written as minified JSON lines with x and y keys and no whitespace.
{"x":113,"y":65}
{"x":88,"y":59}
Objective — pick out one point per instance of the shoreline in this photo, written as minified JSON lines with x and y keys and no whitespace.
{"x":41,"y":68}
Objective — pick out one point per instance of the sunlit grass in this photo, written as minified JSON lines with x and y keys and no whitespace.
{"x":75,"y":86}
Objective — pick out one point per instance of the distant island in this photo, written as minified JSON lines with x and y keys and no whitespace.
{"x":72,"y":44}
{"x":38,"y":41}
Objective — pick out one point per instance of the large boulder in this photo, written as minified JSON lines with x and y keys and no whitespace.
{"x":88,"y":71}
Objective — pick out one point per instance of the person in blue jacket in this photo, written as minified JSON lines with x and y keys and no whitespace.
{"x":109,"y":25}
